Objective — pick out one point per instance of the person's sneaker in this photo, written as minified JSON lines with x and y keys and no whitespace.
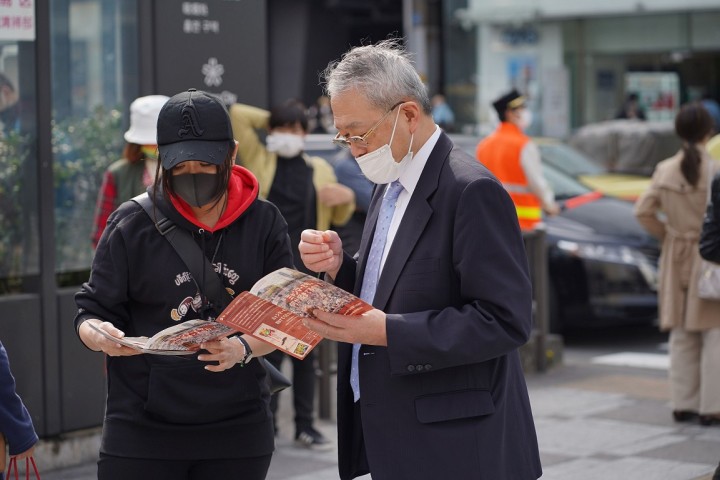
{"x":311,"y":438}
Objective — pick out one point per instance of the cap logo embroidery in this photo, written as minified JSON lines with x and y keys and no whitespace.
{"x":191,"y":120}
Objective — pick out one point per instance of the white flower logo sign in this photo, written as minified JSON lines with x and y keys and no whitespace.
{"x":213,"y":72}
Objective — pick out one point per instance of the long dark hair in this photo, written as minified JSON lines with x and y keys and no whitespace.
{"x":164,"y":177}
{"x":693,"y":124}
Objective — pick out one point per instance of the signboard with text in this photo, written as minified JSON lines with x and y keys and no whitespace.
{"x":659,"y":93}
{"x":17,"y":20}
{"x":219,"y":46}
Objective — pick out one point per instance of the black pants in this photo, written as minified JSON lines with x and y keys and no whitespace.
{"x":121,"y":468}
{"x":303,"y":378}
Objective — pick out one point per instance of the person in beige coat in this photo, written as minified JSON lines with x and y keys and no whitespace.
{"x":672,"y":210}
{"x":308,"y":195}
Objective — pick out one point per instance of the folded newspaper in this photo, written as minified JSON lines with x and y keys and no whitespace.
{"x":272,"y":311}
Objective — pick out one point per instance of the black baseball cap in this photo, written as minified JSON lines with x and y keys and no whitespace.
{"x":193,"y":125}
{"x":512,"y":99}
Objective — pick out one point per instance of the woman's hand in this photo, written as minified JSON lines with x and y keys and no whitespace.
{"x":23,"y":455}
{"x":227,"y":352}
{"x":95,"y":340}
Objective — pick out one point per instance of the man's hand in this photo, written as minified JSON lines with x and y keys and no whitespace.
{"x":321,"y":251}
{"x":100,"y":343}
{"x":368,"y":328}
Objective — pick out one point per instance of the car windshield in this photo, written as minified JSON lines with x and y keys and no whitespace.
{"x":568,"y":160}
{"x":562,"y":184}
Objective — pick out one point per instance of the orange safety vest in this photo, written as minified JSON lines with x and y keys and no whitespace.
{"x":500,"y":153}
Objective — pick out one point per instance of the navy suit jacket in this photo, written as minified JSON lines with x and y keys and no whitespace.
{"x":447,"y":397}
{"x":15,"y":421}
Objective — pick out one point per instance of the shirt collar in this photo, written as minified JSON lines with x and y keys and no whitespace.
{"x":410,"y":171}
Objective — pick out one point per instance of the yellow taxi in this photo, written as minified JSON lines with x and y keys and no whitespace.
{"x":577,"y":165}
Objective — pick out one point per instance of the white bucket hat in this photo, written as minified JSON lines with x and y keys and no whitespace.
{"x":144,"y":113}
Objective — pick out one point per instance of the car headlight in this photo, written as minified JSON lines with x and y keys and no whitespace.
{"x":621,"y":254}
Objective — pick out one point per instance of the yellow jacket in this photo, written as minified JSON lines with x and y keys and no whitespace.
{"x":254,"y":156}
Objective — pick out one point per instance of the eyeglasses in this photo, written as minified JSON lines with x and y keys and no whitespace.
{"x":361,"y":140}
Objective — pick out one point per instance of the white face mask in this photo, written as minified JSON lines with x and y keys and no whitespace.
{"x":379,"y":166}
{"x":285,"y":144}
{"x":526,"y":118}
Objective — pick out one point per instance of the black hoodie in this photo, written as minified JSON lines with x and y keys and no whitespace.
{"x":170,"y":407}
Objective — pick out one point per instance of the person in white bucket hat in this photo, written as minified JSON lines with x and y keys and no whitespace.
{"x":132,"y":174}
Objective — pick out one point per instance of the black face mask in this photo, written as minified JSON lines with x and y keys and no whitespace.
{"x":197,"y":189}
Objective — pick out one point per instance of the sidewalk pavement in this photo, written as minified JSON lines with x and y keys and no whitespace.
{"x":594,"y":422}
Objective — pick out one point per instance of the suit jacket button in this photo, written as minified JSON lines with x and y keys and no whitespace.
{"x":411,"y":368}
{"x":419,"y":368}
{"x":428,"y":366}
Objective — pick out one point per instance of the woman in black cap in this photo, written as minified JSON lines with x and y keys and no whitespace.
{"x":196,"y":417}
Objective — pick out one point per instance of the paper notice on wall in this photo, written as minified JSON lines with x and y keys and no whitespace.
{"x":555,"y":102}
{"x":17,"y":20}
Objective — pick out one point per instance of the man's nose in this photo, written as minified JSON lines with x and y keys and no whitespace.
{"x":357,"y":151}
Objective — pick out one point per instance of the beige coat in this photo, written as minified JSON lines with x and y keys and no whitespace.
{"x":246,"y":120}
{"x":672,"y":210}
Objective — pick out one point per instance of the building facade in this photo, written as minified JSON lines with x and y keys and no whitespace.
{"x":577,"y":61}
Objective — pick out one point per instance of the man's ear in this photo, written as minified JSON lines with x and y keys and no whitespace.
{"x":411,"y":111}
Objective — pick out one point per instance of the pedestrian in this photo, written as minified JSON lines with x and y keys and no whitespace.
{"x":136,"y":170}
{"x":16,"y":426}
{"x":710,"y":233}
{"x":429,"y":383}
{"x":308,"y":195}
{"x":515,"y":160}
{"x":319,"y":115}
{"x":631,"y":108}
{"x":672,"y":209}
{"x":442,"y":113}
{"x":713,"y":108}
{"x":206,"y":416}
{"x":9,"y":107}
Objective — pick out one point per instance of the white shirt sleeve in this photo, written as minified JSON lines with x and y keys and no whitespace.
{"x":530,"y":161}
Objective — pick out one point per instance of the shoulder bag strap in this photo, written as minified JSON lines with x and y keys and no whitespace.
{"x":191,"y":254}
{"x":188,"y":250}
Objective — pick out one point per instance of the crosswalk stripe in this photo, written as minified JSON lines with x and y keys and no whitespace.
{"x":658,"y":361}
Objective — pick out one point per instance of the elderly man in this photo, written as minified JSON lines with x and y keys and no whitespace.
{"x":430,"y":383}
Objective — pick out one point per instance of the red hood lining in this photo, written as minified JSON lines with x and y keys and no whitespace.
{"x":242,"y":191}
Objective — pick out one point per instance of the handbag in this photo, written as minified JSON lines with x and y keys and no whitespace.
{"x":191,"y":254}
{"x":12,"y":467}
{"x":708,"y":285}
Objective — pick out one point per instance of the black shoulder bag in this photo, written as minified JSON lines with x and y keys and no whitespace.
{"x":191,"y":254}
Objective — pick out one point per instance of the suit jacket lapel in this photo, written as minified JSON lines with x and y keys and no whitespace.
{"x":367,"y":235}
{"x":413,"y":223}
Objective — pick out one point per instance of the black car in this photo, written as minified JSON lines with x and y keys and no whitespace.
{"x":602,"y":265}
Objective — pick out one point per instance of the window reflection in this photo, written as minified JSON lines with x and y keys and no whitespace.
{"x":94,"y":74}
{"x":18,"y":164}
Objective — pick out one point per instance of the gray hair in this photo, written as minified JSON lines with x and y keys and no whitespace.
{"x":382,"y":72}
